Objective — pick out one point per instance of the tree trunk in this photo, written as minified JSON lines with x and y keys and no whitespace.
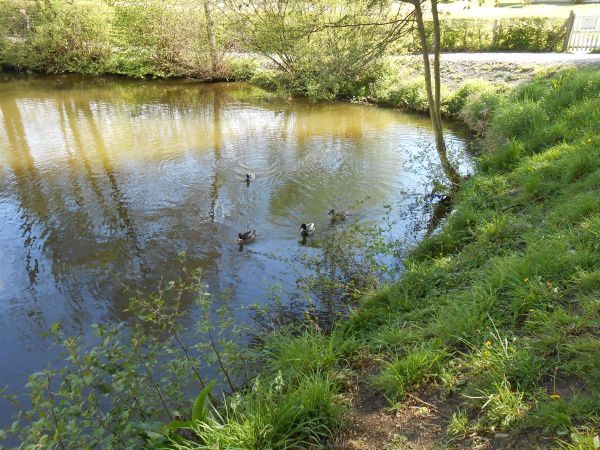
{"x":436,"y":60}
{"x":212,"y":41}
{"x":434,"y":94}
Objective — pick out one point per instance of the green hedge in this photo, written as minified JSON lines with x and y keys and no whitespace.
{"x":147,"y":37}
{"x":533,"y":34}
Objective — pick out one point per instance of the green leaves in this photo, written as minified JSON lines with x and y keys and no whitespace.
{"x":200,"y":409}
{"x":122,"y":387}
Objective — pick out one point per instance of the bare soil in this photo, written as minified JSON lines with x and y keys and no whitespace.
{"x":418,"y":423}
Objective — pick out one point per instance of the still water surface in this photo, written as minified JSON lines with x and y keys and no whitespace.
{"x":104,"y":181}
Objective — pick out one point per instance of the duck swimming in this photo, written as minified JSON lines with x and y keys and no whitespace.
{"x":338,"y":215}
{"x":307,"y":229}
{"x":250,"y":176}
{"x":247,"y":237}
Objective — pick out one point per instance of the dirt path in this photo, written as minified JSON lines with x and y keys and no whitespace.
{"x":540,"y":59}
{"x":509,"y":68}
{"x":419,"y":422}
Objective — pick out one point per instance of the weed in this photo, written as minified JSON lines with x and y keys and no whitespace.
{"x":503,"y":406}
{"x":458,"y":427}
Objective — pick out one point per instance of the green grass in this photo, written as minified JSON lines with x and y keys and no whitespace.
{"x":405,"y":373}
{"x":307,"y":353}
{"x":502,"y":307}
{"x":276,"y":416}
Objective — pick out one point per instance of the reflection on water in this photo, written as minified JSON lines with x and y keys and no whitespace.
{"x":104,"y":181}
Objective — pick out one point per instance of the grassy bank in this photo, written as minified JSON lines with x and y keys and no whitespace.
{"x":496,"y":318}
{"x":499,"y":312}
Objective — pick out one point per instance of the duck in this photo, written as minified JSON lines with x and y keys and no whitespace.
{"x":250,"y":176}
{"x":247,"y":237}
{"x":338,"y":215}
{"x":307,"y":229}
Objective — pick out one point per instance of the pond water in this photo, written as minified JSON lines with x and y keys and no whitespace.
{"x":103,"y":181}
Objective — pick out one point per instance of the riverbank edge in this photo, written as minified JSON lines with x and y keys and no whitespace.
{"x":403,"y":397}
{"x":398,"y":367}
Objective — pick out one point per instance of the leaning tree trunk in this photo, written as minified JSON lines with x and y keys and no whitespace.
{"x":434,"y":98}
{"x":212,"y":41}
{"x":437,"y":82}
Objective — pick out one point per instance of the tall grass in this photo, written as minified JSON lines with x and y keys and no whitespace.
{"x":509,"y":289}
{"x":280,"y":415}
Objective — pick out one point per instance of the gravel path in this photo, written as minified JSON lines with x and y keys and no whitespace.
{"x":509,"y":68}
{"x":545,"y":59}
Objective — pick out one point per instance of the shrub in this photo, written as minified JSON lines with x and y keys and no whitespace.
{"x":136,"y":39}
{"x":466,"y":34}
{"x":533,"y":34}
{"x":529,"y":34}
{"x":63,"y":38}
{"x":242,"y":69}
{"x":160,"y":39}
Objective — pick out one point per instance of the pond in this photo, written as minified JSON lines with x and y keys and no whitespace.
{"x":103,"y":181}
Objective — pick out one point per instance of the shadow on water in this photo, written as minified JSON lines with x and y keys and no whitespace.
{"x":104,"y":181}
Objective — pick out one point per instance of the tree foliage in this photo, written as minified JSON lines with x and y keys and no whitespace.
{"x":323,"y":46}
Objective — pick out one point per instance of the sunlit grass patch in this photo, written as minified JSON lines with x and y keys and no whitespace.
{"x":309,"y":352}
{"x":503,"y":406}
{"x":580,"y":356}
{"x":501,"y":359}
{"x":462,"y":318}
{"x":458,"y":426}
{"x":585,"y":439}
{"x":498,"y":229}
{"x":396,"y":336}
{"x":560,"y":415}
{"x":402,"y":374}
{"x":280,"y":414}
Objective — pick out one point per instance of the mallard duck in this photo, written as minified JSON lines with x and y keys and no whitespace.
{"x":307,"y":229}
{"x":338,"y":215}
{"x":250,"y":176}
{"x":247,"y":237}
